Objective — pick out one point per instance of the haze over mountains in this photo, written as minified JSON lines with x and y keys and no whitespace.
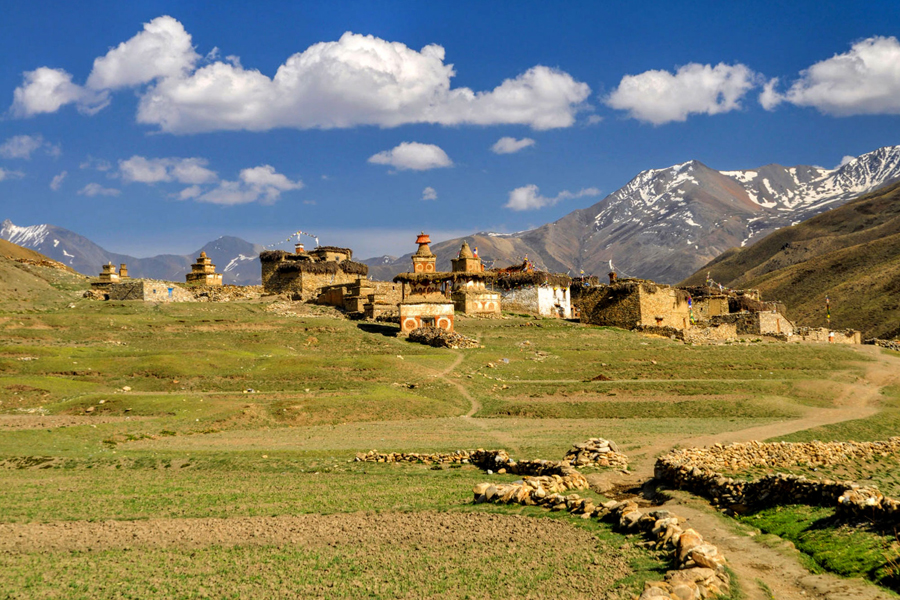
{"x":663,"y":225}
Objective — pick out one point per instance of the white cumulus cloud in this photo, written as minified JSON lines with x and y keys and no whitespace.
{"x":661,"y":97}
{"x":45,"y":90}
{"x":862,"y":81}
{"x":528,"y":197}
{"x":413,"y":156}
{"x":429,"y":193}
{"x":163,"y":49}
{"x":152,"y":170}
{"x":357,"y":80}
{"x":95,"y":189}
{"x":510,"y":145}
{"x":259,"y":184}
{"x":23,"y":146}
{"x":57,"y":181}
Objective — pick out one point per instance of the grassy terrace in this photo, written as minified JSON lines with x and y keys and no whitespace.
{"x":186,"y":441}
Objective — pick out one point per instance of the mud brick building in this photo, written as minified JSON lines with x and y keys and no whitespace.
{"x":305,"y":274}
{"x":203,"y":272}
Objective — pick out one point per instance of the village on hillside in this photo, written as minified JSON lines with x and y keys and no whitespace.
{"x":427,"y":298}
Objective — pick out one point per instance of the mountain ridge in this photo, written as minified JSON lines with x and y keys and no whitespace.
{"x":235,"y":258}
{"x":666,"y":223}
{"x":850,"y":254}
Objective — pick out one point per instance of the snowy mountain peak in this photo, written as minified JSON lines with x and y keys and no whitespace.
{"x":28,"y":237}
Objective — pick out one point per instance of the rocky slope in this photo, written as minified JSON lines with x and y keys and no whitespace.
{"x":235,"y":258}
{"x":851,"y":254}
{"x":666,"y":223}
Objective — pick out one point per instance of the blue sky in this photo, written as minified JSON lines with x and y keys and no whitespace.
{"x":181,"y":131}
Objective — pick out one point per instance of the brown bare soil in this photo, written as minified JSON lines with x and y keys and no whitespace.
{"x":406,"y":541}
{"x":37,"y":421}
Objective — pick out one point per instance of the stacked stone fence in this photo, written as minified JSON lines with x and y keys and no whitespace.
{"x":700,"y":567}
{"x":594,"y":452}
{"x":698,"y":470}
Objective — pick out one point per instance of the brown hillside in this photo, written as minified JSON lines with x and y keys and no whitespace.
{"x":851,"y":254}
{"x":16,"y":252}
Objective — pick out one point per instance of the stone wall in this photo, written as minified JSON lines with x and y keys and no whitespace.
{"x":663,"y":306}
{"x":635,"y":303}
{"x":611,"y":306}
{"x":699,"y":470}
{"x":824,"y":335}
{"x":149,"y":290}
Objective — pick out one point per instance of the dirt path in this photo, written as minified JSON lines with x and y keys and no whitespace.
{"x":779,"y":569}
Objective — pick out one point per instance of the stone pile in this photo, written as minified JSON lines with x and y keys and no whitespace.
{"x":434,"y":336}
{"x":596,"y":452}
{"x":700,"y":567}
{"x":697,"y":470}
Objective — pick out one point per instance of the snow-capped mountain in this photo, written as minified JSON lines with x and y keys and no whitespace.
{"x":235,"y":258}
{"x":666,"y":223}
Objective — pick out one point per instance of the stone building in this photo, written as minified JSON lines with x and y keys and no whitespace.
{"x":304,"y":274}
{"x":203,"y":272}
{"x":468,"y":287}
{"x":635,"y":304}
{"x":148,"y":290}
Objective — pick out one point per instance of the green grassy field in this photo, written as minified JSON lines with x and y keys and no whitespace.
{"x":129,"y":412}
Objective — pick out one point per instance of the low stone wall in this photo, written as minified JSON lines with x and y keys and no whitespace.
{"x":889,"y":344}
{"x":698,"y":470}
{"x":822,"y":334}
{"x":497,"y":461}
{"x":700,"y":567}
